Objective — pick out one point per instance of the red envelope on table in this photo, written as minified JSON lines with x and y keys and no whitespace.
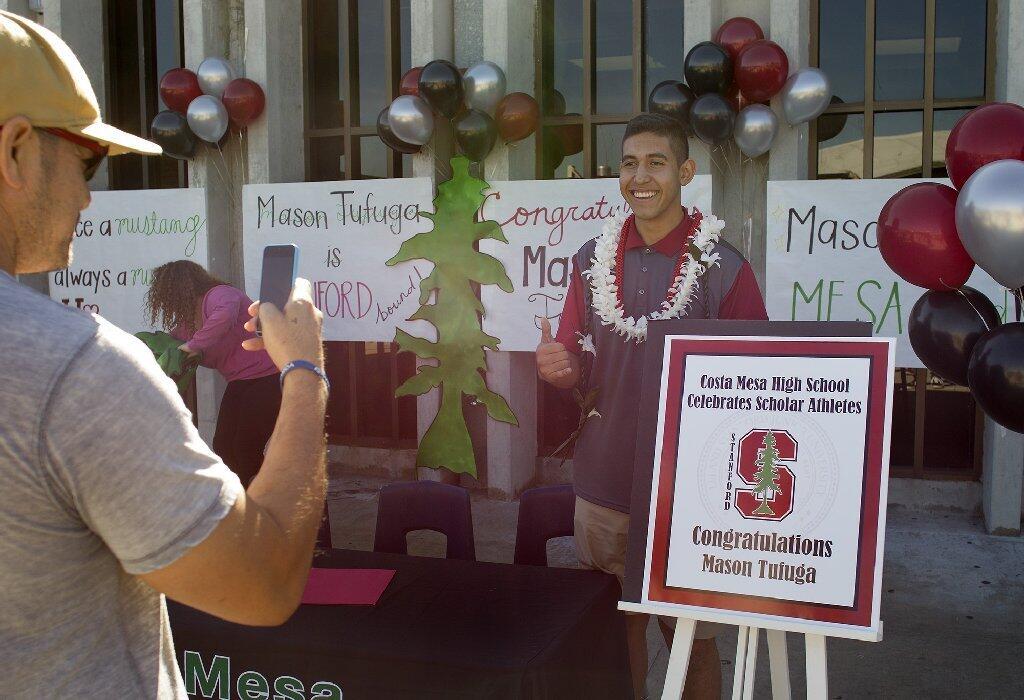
{"x":346,"y":586}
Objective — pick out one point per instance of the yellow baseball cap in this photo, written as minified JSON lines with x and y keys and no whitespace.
{"x":42,"y":80}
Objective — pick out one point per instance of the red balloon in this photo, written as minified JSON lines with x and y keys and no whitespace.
{"x":736,"y":33}
{"x":410,"y":84}
{"x":516,"y":115}
{"x":761,"y":70}
{"x":917,"y":237}
{"x":985,"y":134}
{"x":569,"y":137}
{"x":244,"y":100}
{"x":178,"y":88}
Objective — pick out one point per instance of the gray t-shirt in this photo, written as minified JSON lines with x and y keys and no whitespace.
{"x":102,"y":476}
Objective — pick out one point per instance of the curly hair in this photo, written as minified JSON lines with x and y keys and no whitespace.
{"x":176,"y":291}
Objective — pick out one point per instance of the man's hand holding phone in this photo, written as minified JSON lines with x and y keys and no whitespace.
{"x":292,"y":333}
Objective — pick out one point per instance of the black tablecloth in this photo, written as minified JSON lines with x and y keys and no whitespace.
{"x":443,"y":629}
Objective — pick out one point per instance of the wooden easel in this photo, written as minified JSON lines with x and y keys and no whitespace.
{"x":746,"y":663}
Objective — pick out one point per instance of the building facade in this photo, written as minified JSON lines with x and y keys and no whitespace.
{"x":903,"y":72}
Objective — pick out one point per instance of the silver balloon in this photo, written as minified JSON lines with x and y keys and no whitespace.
{"x":411,"y":119}
{"x":207,"y":118}
{"x":990,"y":220}
{"x":214,"y":74}
{"x":805,"y":95}
{"x":484,"y":86}
{"x":755,"y":130}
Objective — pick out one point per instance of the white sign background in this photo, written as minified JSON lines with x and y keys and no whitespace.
{"x":345,"y":232}
{"x":855,"y":283}
{"x":828,"y":474}
{"x":119,"y":239}
{"x":546,"y":222}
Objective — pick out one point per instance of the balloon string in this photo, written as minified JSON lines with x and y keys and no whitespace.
{"x":961,"y":292}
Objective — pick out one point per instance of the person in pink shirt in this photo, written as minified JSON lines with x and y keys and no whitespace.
{"x":208,"y":315}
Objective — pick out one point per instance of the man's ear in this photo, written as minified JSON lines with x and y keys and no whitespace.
{"x":686,"y":172}
{"x":15,"y":134}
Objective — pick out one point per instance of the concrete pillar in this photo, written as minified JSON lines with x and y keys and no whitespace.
{"x":81,"y":24}
{"x":273,"y":58}
{"x":216,"y":28}
{"x":700,"y":20}
{"x":1003,"y":460}
{"x":508,"y":41}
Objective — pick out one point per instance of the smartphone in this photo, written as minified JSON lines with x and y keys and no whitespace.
{"x":280,"y":266}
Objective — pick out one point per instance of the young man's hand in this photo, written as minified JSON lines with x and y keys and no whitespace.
{"x":556,"y":365}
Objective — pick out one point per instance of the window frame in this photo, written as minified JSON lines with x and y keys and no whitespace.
{"x":927,"y":106}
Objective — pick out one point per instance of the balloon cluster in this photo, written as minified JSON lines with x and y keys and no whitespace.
{"x":474,"y":100}
{"x":932,"y":235}
{"x":203,"y":105}
{"x":728,"y":83}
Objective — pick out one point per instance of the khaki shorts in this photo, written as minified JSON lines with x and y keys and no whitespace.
{"x":600,"y":535}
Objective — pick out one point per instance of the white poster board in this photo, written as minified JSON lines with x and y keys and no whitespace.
{"x":345,"y":232}
{"x":546,"y":222}
{"x":823,"y":262}
{"x":118,"y":241}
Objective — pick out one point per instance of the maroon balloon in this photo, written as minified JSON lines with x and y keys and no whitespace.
{"x":985,"y":134}
{"x":917,"y":237}
{"x":761,"y":70}
{"x":244,"y":101}
{"x":736,"y":33}
{"x":410,"y":84}
{"x":516,"y":115}
{"x":178,"y":88}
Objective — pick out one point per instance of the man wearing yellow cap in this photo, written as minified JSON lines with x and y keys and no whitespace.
{"x":109,"y":499}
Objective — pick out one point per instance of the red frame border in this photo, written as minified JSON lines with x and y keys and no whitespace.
{"x":860,"y":614}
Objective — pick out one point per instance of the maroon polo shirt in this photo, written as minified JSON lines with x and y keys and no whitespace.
{"x":603,"y":460}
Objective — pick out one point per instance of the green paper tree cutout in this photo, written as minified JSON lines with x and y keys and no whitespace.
{"x":767,"y":475}
{"x":456,"y":314}
{"x":176,"y":364}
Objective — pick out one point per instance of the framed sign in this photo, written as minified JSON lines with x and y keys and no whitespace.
{"x":761,"y":475}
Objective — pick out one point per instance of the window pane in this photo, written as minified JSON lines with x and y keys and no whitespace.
{"x":948,"y":426}
{"x":374,"y":391}
{"x":960,"y":48}
{"x":903,"y":411}
{"x":327,"y":159}
{"x":373,"y":157}
{"x":841,"y":146}
{"x":608,"y":150}
{"x":943,"y":121}
{"x":613,"y":53}
{"x":405,"y":35}
{"x":563,"y":150}
{"x":663,"y":42}
{"x":373,"y":74}
{"x":336,"y":364}
{"x":326,"y":60}
{"x":168,"y":39}
{"x":899,"y":50}
{"x":897,"y":145}
{"x":563,"y":57}
{"x":841,"y":47}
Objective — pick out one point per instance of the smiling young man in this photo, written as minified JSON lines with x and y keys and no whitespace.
{"x":109,"y":499}
{"x":643,"y":258}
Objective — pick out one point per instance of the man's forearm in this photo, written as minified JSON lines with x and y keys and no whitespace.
{"x":291,"y":484}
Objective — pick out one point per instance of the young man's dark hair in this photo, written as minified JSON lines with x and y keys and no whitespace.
{"x":653,"y":123}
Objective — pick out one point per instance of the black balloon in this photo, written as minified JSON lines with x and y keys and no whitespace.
{"x":996,"y":375}
{"x":171,"y":132}
{"x":712,"y":118}
{"x":388,"y":136}
{"x":832,"y":124}
{"x":673,"y":99}
{"x":475,"y":132}
{"x":944,"y":327}
{"x":441,"y":87}
{"x":708,"y":68}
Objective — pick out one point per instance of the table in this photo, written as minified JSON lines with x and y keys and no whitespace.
{"x":444,"y":628}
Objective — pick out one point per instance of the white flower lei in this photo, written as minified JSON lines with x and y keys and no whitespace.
{"x":605,"y":291}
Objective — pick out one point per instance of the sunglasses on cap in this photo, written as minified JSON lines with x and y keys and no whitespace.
{"x":99,"y":151}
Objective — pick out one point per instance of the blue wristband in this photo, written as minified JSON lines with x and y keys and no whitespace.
{"x":307,"y":365}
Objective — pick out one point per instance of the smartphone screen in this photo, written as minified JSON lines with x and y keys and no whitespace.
{"x":279,"y":265}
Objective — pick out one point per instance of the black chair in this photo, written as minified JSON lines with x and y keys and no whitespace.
{"x":424,"y":505}
{"x":544,"y":513}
